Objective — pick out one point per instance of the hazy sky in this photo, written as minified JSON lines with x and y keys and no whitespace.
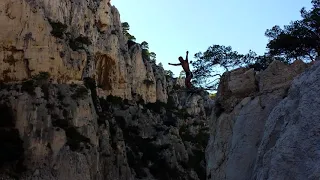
{"x":173,"y":26}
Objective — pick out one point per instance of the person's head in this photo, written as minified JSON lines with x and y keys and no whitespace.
{"x":180,"y":59}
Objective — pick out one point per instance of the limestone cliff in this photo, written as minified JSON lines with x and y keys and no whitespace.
{"x":72,"y":40}
{"x":78,"y":101}
{"x":61,"y":131}
{"x":265,"y":124}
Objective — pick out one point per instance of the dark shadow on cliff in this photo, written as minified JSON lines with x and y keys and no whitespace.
{"x":11,"y":151}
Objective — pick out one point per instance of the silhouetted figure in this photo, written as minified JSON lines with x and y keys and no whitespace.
{"x":185,"y":66}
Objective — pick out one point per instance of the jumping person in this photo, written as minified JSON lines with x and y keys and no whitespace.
{"x":185,"y":66}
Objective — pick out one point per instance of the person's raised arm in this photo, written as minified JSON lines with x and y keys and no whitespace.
{"x":187,"y":56}
{"x":178,"y":64}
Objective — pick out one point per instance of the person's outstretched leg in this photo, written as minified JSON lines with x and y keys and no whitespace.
{"x":187,"y":82}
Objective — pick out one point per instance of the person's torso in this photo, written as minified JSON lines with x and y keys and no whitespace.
{"x":185,"y":66}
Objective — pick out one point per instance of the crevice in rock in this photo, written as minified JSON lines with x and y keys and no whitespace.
{"x":256,"y":82}
{"x":218,"y":109}
{"x":27,"y":67}
{"x":90,"y":83}
{"x":274,"y":136}
{"x":105,"y":67}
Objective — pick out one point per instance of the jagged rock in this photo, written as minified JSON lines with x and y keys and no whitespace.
{"x":234,"y":86}
{"x":143,"y":81}
{"x":51,"y":131}
{"x":291,"y":131}
{"x":239,"y":145}
{"x":279,"y":75}
{"x":175,"y":83}
{"x":240,"y":83}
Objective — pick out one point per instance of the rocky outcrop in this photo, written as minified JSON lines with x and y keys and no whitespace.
{"x":71,"y":41}
{"x":257,"y":130}
{"x":57,"y":131}
{"x":240,"y":83}
{"x":288,"y":148}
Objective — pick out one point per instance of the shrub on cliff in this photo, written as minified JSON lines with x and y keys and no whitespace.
{"x":169,"y":74}
{"x":146,"y":54}
{"x":299,"y":40}
{"x":125,"y":29}
{"x":206,"y":63}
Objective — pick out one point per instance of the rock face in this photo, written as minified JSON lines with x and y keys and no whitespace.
{"x":73,"y":40}
{"x":291,"y":132}
{"x":262,"y":130}
{"x":78,"y":101}
{"x":56,"y":131}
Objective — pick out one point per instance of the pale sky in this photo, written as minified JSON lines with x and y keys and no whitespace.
{"x":171,"y":27}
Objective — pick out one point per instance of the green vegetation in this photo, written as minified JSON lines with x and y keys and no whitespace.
{"x":125,"y":29}
{"x":185,"y":134}
{"x":169,"y":74}
{"x":40,"y":79}
{"x":3,"y":85}
{"x":195,"y":163}
{"x":298,"y":40}
{"x":213,"y":95}
{"x":176,"y":87}
{"x":79,"y":43}
{"x":200,"y":140}
{"x":169,"y":107}
{"x":29,"y":87}
{"x":58,"y":29}
{"x":223,"y":56}
{"x":157,"y":106}
{"x":60,"y":96}
{"x":80,"y":93}
{"x":148,"y":82}
{"x":150,"y":152}
{"x":45,"y":90}
{"x":115,"y":100}
{"x":182,"y":74}
{"x":90,"y":83}
{"x":182,"y":113}
{"x":146,"y":54}
{"x":74,"y":138}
